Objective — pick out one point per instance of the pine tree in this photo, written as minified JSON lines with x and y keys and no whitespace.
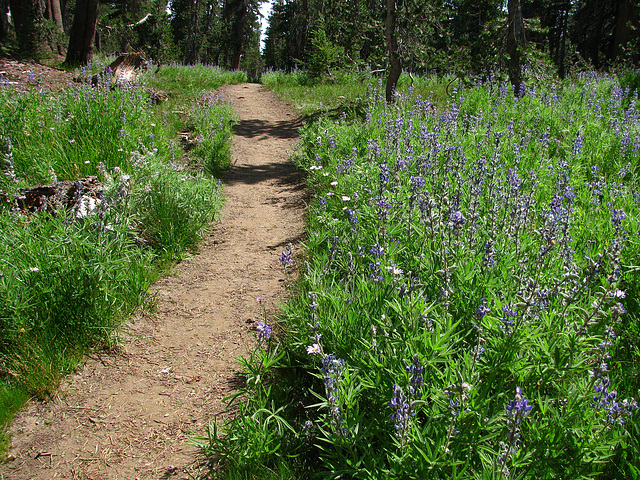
{"x":324,"y":54}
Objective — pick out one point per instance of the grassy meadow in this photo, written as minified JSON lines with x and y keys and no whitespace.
{"x":467,"y":305}
{"x":70,"y":276}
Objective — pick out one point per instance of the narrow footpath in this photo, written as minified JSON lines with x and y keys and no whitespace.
{"x":128,"y":414}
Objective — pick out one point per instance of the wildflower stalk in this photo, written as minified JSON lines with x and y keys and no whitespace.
{"x":517,"y":410}
{"x":332,"y":369}
{"x":404,"y":403}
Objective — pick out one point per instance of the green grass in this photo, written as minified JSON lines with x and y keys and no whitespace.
{"x":347,"y":94}
{"x":314,"y":97}
{"x":192,"y":81}
{"x":187,"y":89}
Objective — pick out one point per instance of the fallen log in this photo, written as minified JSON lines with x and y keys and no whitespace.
{"x":67,"y":195}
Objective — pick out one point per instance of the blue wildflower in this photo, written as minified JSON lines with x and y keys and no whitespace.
{"x":517,"y":410}
{"x":264,"y":331}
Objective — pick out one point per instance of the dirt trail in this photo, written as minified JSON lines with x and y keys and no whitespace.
{"x":128,"y":414}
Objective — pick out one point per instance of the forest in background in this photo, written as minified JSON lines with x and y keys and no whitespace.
{"x":461,"y":37}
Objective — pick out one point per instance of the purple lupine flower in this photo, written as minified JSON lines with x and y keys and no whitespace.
{"x":415,"y":369}
{"x":353,"y":218}
{"x":384,"y":174}
{"x":404,"y":403}
{"x":507,"y":319}
{"x":264,"y":331}
{"x":517,"y":410}
{"x":606,"y":400}
{"x":285,"y":258}
{"x":402,"y":411}
{"x":489,"y":257}
{"x":383,"y":208}
{"x":417,"y":184}
{"x":377,"y":250}
{"x":577,"y":144}
{"x":332,"y":368}
{"x":459,"y":394}
{"x":482,"y":310}
{"x":376,"y":272}
{"x":617,"y":216}
{"x":457,"y":220}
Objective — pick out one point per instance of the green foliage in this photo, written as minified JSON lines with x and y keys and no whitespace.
{"x":12,"y":397}
{"x":64,"y":286}
{"x":355,"y":28}
{"x":72,"y":133}
{"x":212,"y":117}
{"x":193,"y":81}
{"x":461,"y":260}
{"x":257,"y":441}
{"x":195,"y":107}
{"x":324,"y":54}
{"x":630,"y":83}
{"x":344,"y":92}
{"x":171,"y":208}
{"x":141,"y":26}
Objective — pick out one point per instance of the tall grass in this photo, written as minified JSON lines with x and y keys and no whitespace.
{"x":191,"y":80}
{"x":72,"y":132}
{"x":70,"y":276}
{"x":468,"y":274}
{"x":344,"y":93}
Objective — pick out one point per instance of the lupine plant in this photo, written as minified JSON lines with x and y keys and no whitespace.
{"x":456,"y":256}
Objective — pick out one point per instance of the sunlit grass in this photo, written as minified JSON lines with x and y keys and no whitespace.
{"x":347,"y":94}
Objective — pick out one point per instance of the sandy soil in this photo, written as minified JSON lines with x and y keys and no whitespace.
{"x":128,"y":414}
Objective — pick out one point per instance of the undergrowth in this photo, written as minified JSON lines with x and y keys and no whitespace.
{"x":467,"y":307}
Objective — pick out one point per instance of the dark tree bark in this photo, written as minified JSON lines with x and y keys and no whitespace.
{"x":28,"y":21}
{"x":83,"y":33}
{"x":395,"y":64}
{"x":626,"y":28}
{"x":515,"y":42}
{"x":562,"y":50}
{"x":236,"y":13}
{"x":19,"y":17}
{"x":4,"y":20}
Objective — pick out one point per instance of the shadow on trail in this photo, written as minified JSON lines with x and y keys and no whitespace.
{"x":295,"y":240}
{"x":261,"y":128}
{"x":286,"y":175}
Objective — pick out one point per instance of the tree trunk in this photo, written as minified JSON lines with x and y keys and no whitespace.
{"x":4,"y":20}
{"x":19,"y":16}
{"x":191,"y":47}
{"x":626,"y":25}
{"x":562,"y":71}
{"x":54,"y":13}
{"x":237,"y":14}
{"x":83,"y":32}
{"x":515,"y":42}
{"x":28,"y":20}
{"x":395,"y":64}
